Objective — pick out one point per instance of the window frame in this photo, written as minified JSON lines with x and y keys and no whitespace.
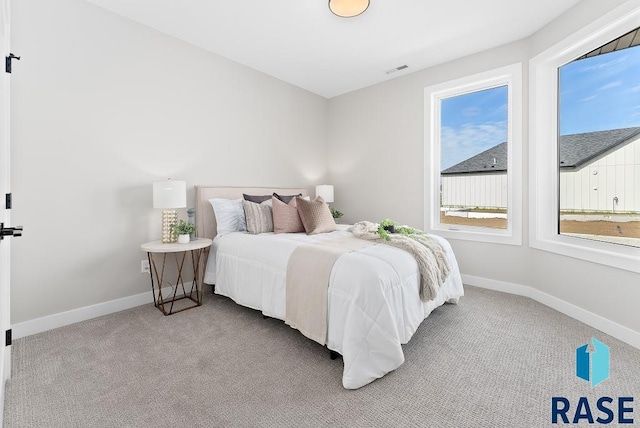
{"x":544,"y":174}
{"x":510,"y":76}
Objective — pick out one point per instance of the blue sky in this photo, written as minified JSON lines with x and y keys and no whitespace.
{"x":471,"y":124}
{"x":598,"y":93}
{"x":602,"y":92}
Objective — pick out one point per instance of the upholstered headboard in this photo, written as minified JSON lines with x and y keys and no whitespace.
{"x":206,"y":220}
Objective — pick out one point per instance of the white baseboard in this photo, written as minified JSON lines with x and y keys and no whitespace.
{"x":609,"y":327}
{"x":605,"y":325}
{"x":38,"y":325}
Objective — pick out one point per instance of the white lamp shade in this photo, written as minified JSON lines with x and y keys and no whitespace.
{"x":169,"y":194}
{"x":325,"y":191}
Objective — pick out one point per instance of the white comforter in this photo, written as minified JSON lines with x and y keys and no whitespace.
{"x":373,"y":302}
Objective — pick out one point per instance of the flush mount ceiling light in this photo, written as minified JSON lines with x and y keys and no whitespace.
{"x":348,"y":8}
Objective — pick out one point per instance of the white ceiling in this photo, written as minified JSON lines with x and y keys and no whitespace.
{"x":303,"y":43}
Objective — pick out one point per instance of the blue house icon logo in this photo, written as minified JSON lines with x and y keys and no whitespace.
{"x":592,"y":365}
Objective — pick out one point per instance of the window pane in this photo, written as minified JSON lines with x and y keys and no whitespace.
{"x":473,"y":160}
{"x":599,"y":147}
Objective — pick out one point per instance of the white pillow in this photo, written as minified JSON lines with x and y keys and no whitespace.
{"x":229,"y":215}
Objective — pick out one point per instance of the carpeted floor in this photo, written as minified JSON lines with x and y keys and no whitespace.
{"x":494,"y":360}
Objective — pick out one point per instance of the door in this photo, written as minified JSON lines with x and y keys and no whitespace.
{"x":5,"y":244}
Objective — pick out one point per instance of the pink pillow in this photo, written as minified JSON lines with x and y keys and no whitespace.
{"x":316,"y":216}
{"x":285,"y":216}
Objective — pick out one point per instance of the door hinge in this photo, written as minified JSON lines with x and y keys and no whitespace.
{"x":7,"y":62}
{"x":7,"y":201}
{"x":7,"y":338}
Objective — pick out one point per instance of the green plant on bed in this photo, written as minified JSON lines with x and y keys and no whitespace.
{"x":184,"y":228}
{"x":387,"y":223}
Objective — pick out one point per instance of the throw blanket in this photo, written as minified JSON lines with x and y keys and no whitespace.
{"x":432,"y":260}
{"x":308,"y":272}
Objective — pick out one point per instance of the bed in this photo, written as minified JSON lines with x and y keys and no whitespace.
{"x":373,"y":305}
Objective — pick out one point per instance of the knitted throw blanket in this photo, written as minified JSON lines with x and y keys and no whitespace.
{"x":432,"y":260}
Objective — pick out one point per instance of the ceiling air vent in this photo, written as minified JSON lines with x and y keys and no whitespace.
{"x":393,"y":70}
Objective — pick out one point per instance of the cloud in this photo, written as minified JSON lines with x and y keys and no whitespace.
{"x":610,"y":85}
{"x":604,"y":65}
{"x":458,"y":144}
{"x":503,"y":108}
{"x":635,"y":88}
{"x":471,"y":111}
{"x":587,"y":99}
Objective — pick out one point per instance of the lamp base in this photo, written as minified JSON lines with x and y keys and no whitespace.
{"x":169,"y":220}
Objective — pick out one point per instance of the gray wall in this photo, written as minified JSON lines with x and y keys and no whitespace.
{"x":101,"y":108}
{"x":376,"y":162}
{"x":376,"y":142}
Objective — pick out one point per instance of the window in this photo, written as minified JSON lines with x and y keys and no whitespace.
{"x":599,"y":143}
{"x":584,"y":160}
{"x":473,"y":157}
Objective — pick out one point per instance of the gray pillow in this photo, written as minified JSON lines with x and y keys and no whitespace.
{"x":258,"y":199}
{"x":286,"y":198}
{"x":259,"y":217}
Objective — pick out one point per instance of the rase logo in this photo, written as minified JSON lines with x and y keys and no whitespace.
{"x":593,"y":366}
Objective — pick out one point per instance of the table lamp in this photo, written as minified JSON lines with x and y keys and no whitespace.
{"x":168,"y":196}
{"x":325,"y":191}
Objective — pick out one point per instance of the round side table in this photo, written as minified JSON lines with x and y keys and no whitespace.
{"x":157,"y":253}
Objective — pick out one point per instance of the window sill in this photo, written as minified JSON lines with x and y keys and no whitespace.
{"x":478,"y":234}
{"x":614,"y":255}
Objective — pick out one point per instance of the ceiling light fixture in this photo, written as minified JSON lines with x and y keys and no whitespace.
{"x":348,"y":8}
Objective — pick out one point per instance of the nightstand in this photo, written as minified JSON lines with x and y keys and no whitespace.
{"x":158,"y":253}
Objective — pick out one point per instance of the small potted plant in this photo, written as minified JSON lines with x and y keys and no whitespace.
{"x":335,"y":213}
{"x":388,"y":225}
{"x":183,"y":230}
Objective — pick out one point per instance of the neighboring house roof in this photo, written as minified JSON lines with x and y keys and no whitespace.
{"x":491,"y":160}
{"x":575,"y":151}
{"x":628,"y":40}
{"x":578,"y":149}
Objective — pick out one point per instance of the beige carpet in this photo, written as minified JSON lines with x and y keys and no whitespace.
{"x":494,"y":360}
